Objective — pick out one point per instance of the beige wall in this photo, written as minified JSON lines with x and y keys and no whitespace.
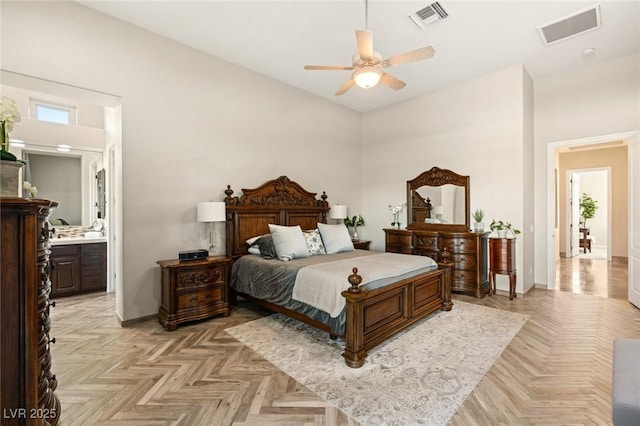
{"x":616,"y":158}
{"x":481,"y":128}
{"x":590,"y":103}
{"x":191,"y":124}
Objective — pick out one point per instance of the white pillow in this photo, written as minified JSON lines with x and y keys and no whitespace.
{"x":254,"y":250}
{"x":289,"y":242}
{"x":336,"y":238}
{"x":252,"y":240}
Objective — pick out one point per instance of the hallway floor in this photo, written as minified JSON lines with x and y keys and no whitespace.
{"x":593,"y":277}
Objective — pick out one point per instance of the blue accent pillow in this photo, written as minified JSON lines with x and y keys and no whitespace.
{"x":314,"y":242}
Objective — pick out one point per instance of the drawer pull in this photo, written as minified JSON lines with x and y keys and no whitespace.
{"x":52,"y":304}
{"x":207,"y":296}
{"x":193,"y":299}
{"x":52,"y":340}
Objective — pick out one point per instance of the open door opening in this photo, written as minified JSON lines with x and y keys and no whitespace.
{"x":634,"y":220}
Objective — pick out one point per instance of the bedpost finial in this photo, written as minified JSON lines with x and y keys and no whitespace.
{"x":228,"y":192}
{"x":355,"y":281}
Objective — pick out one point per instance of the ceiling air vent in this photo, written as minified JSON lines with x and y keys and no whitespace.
{"x":572,"y":25}
{"x":428,"y":15}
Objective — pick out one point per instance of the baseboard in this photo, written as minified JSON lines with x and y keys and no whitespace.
{"x":620,"y":259}
{"x":129,"y":323}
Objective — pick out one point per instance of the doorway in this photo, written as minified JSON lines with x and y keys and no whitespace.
{"x":591,"y":159}
{"x":589,"y":193}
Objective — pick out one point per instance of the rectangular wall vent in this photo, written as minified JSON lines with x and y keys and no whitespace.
{"x":571,"y":26}
{"x":428,"y":15}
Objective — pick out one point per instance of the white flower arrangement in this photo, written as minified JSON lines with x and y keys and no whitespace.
{"x":396,"y":210}
{"x":31,"y":190}
{"x":9,"y":114}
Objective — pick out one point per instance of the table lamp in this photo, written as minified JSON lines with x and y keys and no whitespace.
{"x":211,"y":212}
{"x":338,"y":212}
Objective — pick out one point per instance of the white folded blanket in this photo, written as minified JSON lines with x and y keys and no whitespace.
{"x":321,"y":285}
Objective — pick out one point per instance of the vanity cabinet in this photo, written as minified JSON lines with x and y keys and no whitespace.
{"x":466,"y":250}
{"x":27,"y":383}
{"x":78,"y":269}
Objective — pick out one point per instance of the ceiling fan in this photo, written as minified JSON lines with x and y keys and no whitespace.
{"x":367,"y":64}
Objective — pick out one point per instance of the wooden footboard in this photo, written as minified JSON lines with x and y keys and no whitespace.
{"x":374,"y":316}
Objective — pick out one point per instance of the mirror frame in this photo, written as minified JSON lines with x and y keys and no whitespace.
{"x":438,"y":177}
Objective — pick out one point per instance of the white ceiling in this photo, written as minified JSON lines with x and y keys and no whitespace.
{"x":277,"y":38}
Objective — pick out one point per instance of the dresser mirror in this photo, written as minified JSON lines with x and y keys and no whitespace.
{"x":438,"y":199}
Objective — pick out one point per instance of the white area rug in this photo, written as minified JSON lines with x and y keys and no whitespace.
{"x":421,"y":376}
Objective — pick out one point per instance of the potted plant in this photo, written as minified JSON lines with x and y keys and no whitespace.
{"x":9,"y":116}
{"x":501,"y":228}
{"x":478,"y":225}
{"x":588,"y":207}
{"x":354,"y":222}
{"x":9,"y":164}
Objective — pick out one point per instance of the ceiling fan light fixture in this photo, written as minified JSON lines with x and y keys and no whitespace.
{"x":367,"y":77}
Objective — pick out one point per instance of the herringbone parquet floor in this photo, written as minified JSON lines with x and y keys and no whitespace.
{"x":556,"y":371}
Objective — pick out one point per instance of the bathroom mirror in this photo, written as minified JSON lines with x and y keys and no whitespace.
{"x":102,"y":201}
{"x":66,"y":177}
{"x":438,"y":199}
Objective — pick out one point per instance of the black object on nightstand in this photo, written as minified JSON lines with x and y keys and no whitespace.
{"x":361,"y":244}
{"x":194,"y":290}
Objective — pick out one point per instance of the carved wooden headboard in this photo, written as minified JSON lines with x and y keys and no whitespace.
{"x":279,"y":201}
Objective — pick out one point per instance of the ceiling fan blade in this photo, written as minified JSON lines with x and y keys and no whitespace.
{"x":391,"y":81}
{"x":365,"y":44}
{"x":327,"y":67}
{"x":345,"y":87}
{"x":414,"y":55}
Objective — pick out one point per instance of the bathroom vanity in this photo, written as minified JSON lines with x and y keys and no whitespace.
{"x":78,"y":265}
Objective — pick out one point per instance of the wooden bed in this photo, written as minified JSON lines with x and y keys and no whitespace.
{"x":371,"y":316}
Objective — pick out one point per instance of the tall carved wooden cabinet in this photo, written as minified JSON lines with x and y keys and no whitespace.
{"x":26,"y":382}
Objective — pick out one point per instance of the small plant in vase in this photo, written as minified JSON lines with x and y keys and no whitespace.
{"x":354,"y":222}
{"x":501,"y":228}
{"x":478,"y":225}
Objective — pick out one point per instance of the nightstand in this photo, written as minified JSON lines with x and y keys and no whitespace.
{"x":194,"y":290}
{"x":502,"y":260}
{"x":361,"y":244}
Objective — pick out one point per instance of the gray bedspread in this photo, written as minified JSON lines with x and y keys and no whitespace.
{"x":273,"y":280}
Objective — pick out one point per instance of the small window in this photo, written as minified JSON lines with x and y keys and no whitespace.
{"x":62,"y":114}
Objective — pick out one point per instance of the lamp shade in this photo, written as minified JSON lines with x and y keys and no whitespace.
{"x":211,"y":211}
{"x":338,"y":211}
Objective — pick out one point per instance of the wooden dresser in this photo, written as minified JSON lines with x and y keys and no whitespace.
{"x":466,"y":250}
{"x":26,"y":382}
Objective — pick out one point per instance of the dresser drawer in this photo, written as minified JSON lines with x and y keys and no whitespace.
{"x":398,"y":239}
{"x":464,"y":261}
{"x":201,"y":276}
{"x":94,"y":248}
{"x":210,"y":296}
{"x":460,"y":278}
{"x":459,"y":244}
{"x":65,"y":250}
{"x":429,"y":242}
